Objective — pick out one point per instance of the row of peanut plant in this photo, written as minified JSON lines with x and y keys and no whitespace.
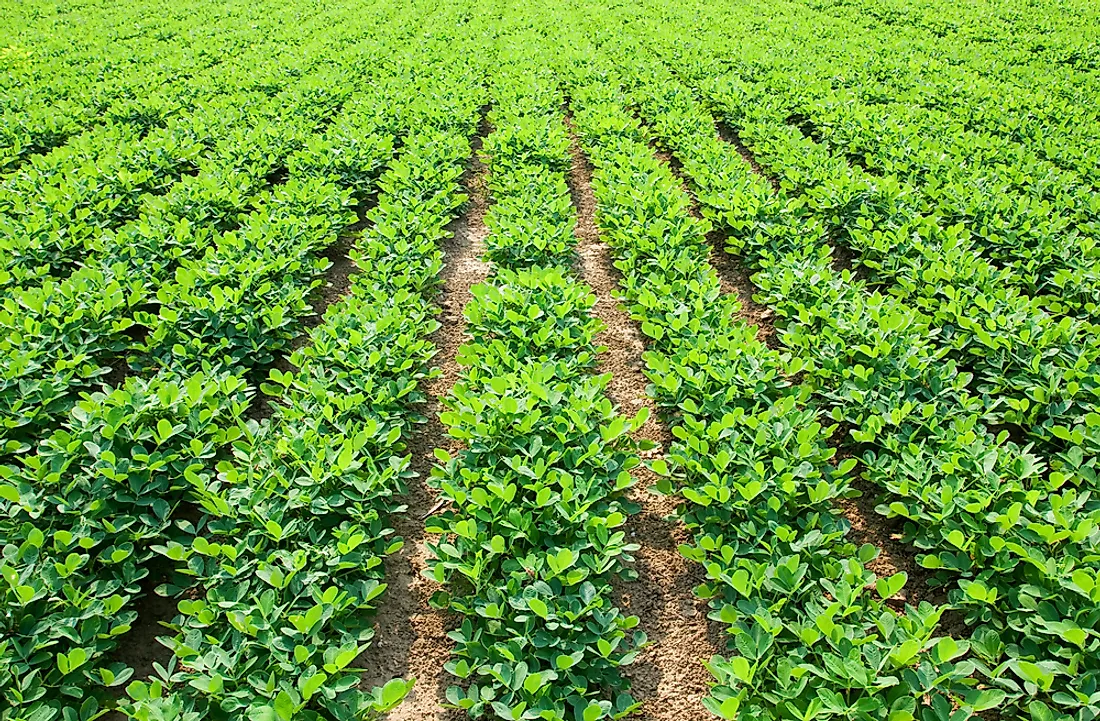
{"x":533,"y":533}
{"x":1036,"y":369}
{"x":813,"y":634}
{"x":55,"y":211}
{"x":66,"y":74}
{"x":63,"y":335}
{"x":979,"y":508}
{"x":87,"y":508}
{"x":125,"y":301}
{"x":1037,"y":222}
{"x":1024,"y":82}
{"x":1011,"y":97}
{"x":296,"y":523}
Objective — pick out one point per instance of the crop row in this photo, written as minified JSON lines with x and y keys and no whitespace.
{"x":183,"y":273}
{"x":134,"y":293}
{"x":1034,"y":370}
{"x":533,"y":534}
{"x":1021,"y":207}
{"x":1037,"y":223}
{"x":115,"y":452}
{"x":1038,"y":371}
{"x":86,"y":511}
{"x":55,"y":212}
{"x":290,"y":556}
{"x":1029,"y":101}
{"x":47,"y":100}
{"x":752,"y":462}
{"x":1018,"y":540}
{"x":1023,"y":83}
{"x":141,"y":78}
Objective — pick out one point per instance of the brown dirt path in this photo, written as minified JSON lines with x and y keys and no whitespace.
{"x":411,"y":636}
{"x":668,"y":676}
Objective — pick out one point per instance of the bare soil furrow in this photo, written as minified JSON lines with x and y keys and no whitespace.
{"x":139,"y":648}
{"x":335,"y":286}
{"x":894,"y":553}
{"x":735,"y":279}
{"x":668,"y":676}
{"x":731,"y":136}
{"x":411,"y":636}
{"x":337,"y":279}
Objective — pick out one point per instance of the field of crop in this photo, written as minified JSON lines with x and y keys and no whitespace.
{"x":438,"y":359}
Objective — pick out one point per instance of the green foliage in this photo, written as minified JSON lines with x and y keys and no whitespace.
{"x":751,"y":461}
{"x":289,"y":552}
{"x":919,"y":211}
{"x":200,"y":272}
{"x":79,"y":515}
{"x":534,"y":530}
{"x":990,"y":517}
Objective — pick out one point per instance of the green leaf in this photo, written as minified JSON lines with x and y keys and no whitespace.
{"x":395,"y":691}
{"x":985,"y":699}
{"x":346,"y":457}
{"x":956,"y":539}
{"x":308,"y":685}
{"x":262,"y":713}
{"x":948,"y":649}
{"x":285,"y":708}
{"x":889,"y":587}
{"x":538,"y":607}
